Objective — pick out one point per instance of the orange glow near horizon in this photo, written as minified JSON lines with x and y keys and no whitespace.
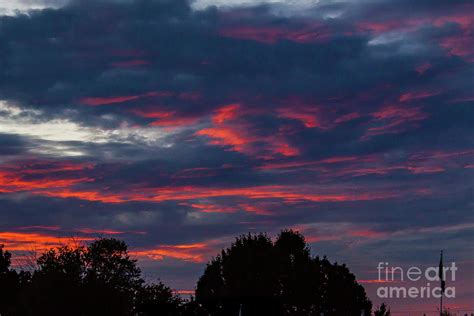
{"x":20,"y":241}
{"x":187,"y":252}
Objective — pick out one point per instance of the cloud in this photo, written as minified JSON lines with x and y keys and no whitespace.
{"x":187,"y":252}
{"x":13,"y":6}
{"x":395,"y":119}
{"x":178,"y":125}
{"x":56,"y":136}
{"x":36,"y":242}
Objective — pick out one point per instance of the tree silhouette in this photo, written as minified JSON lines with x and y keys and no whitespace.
{"x":243,"y":274}
{"x":9,"y":284}
{"x":157,"y":299}
{"x":254,"y":276}
{"x":382,"y":310}
{"x":281,"y":278}
{"x":100,"y":279}
{"x":112,"y":278}
{"x":342,"y":295}
{"x":446,"y":312}
{"x":57,"y":284}
{"x":298,"y":291}
{"x":193,"y":308}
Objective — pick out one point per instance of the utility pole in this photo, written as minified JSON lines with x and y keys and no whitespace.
{"x":443,"y":283}
{"x":441,"y":305}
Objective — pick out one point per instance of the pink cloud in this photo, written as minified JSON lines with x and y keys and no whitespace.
{"x":409,"y":96}
{"x":308,"y":33}
{"x":394,"y":119}
{"x":226,"y":113}
{"x":97,"y":101}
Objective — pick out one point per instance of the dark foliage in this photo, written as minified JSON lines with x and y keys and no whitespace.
{"x":100,"y":279}
{"x":9,"y":283}
{"x":382,"y":310}
{"x":260,"y":277}
{"x":255,"y":276}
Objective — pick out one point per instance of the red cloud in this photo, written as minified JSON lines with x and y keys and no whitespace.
{"x":19,"y":241}
{"x":238,"y":138}
{"x":96,"y":101}
{"x":282,"y":148}
{"x":368,"y":233}
{"x":255,"y":209}
{"x":311,"y":32}
{"x":354,"y":166}
{"x":65,"y":184}
{"x":409,"y":96}
{"x":37,"y":175}
{"x":175,"y":122}
{"x":286,"y":193}
{"x":225,"y":113}
{"x":165,"y":118}
{"x":460,"y":46}
{"x":456,"y":45}
{"x":314,"y":115}
{"x":309,"y":164}
{"x":308,"y":116}
{"x":389,"y":25}
{"x":464,"y":20}
{"x":394,"y":119}
{"x":231,"y":129}
{"x":188,"y":252}
{"x":107,"y":231}
{"x":211,"y":208}
{"x":93,"y":101}
{"x":227,"y":136}
{"x":152,"y":113}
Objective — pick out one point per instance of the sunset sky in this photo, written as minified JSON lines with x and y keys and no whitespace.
{"x":179,"y":125}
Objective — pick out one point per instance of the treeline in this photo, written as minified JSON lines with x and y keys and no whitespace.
{"x":254,"y":276}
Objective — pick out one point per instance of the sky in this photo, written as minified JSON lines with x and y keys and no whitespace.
{"x":179,"y":125}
